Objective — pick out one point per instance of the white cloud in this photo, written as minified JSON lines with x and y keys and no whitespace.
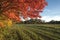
{"x":50,"y":12}
{"x":47,"y":10}
{"x":49,"y":18}
{"x":22,"y":19}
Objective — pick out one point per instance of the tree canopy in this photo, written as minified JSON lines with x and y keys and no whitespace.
{"x":14,"y":9}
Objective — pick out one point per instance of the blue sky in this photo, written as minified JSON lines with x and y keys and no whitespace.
{"x":52,"y":11}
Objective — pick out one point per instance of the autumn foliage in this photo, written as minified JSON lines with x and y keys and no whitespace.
{"x":14,"y":9}
{"x":2,"y":25}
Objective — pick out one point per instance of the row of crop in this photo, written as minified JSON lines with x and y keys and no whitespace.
{"x":49,"y":29}
{"x":40,"y":35}
{"x":33,"y":35}
{"x":45,"y":33}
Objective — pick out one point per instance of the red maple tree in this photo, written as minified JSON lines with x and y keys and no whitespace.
{"x":13,"y":9}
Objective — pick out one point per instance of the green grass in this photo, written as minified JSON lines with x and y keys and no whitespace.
{"x":31,"y":32}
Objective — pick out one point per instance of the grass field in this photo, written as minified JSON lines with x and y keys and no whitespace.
{"x":31,"y":32}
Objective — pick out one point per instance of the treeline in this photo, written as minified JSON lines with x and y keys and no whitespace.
{"x":54,"y":22}
{"x":38,"y":21}
{"x":31,"y":21}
